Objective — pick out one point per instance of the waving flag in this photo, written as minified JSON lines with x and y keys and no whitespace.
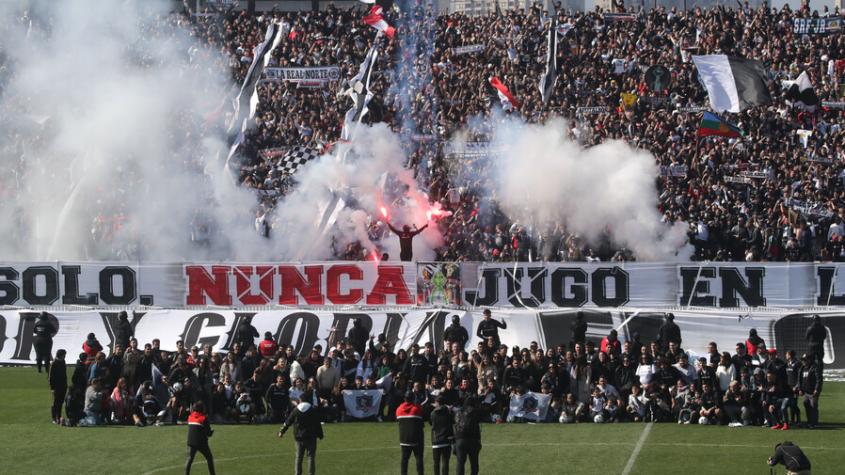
{"x":733,"y":84}
{"x":359,"y":91}
{"x":376,"y":20}
{"x":800,"y":93}
{"x":505,"y":97}
{"x":547,"y":82}
{"x":711,"y":124}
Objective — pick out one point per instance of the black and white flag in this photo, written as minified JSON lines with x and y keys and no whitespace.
{"x":359,"y":91}
{"x":547,"y":82}
{"x":247,"y":99}
{"x":733,"y":84}
{"x":246,"y":102}
{"x":362,"y":403}
{"x":295,"y":158}
{"x":800,"y":93}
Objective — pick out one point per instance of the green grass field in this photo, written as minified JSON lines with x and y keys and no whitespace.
{"x":29,"y":443}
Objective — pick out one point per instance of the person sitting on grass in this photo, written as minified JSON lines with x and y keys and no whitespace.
{"x":709,"y":404}
{"x":94,"y":403}
{"x":637,"y":404}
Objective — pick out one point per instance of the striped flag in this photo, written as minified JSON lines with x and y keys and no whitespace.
{"x":547,"y":82}
{"x":376,"y":20}
{"x":505,"y":97}
{"x":711,"y":124}
{"x":359,"y":91}
{"x":733,"y":84}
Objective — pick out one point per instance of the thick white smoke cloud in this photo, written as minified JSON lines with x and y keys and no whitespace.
{"x":541,"y":176}
{"x":359,"y":180}
{"x":105,"y":121}
{"x":122,"y":153}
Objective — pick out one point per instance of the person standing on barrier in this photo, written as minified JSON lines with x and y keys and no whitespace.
{"x":668,"y":332}
{"x":305,"y":419}
{"x":43,"y":342}
{"x":410,"y":418}
{"x":468,"y":436}
{"x":199,"y":430}
{"x":406,"y":240}
{"x":490,"y":328}
{"x":455,"y":333}
{"x":815,"y":335}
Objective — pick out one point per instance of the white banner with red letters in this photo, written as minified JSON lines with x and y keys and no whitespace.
{"x":372,"y":284}
{"x":304,"y":329}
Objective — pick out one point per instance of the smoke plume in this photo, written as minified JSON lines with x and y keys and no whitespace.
{"x":539,"y":176}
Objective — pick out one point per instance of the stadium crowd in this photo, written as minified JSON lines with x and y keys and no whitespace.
{"x":791,"y":209}
{"x":258,"y":380}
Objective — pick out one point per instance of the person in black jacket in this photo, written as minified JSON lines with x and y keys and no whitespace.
{"x":410,"y":419}
{"x":199,"y":430}
{"x":406,"y":240}
{"x":815,"y":335}
{"x":305,"y":419}
{"x":810,"y":388}
{"x":246,"y":334}
{"x":579,"y":330}
{"x":76,"y":394}
{"x":792,"y":457}
{"x":455,"y":333}
{"x":468,"y":436}
{"x":123,"y":332}
{"x":442,"y":435}
{"x":57,"y":375}
{"x":357,"y":337}
{"x":669,"y":331}
{"x":44,"y":331}
{"x":490,"y":328}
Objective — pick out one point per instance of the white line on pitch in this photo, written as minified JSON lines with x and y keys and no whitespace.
{"x":637,"y":448}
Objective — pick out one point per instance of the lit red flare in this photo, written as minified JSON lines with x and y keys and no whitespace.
{"x":383,"y":211}
{"x":375,"y":255}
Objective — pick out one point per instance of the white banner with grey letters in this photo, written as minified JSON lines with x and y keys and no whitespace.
{"x":304,"y":329}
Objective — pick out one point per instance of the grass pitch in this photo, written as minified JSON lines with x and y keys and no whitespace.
{"x":29,"y":443}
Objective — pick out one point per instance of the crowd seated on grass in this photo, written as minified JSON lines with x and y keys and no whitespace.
{"x":258,"y":381}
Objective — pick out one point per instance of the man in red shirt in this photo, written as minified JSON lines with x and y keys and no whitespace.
{"x":268,"y":347}
{"x":409,"y":416}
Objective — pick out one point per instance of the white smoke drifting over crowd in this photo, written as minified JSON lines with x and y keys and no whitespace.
{"x":538,"y":176}
{"x":359,"y":180}
{"x":112,"y":148}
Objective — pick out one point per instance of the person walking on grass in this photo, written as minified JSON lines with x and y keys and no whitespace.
{"x":305,"y":419}
{"x":199,"y":430}
{"x":410,"y":418}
